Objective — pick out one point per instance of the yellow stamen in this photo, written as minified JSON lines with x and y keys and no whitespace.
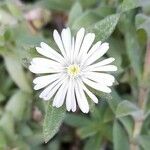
{"x":73,"y":70}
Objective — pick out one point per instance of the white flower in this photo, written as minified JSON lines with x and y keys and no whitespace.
{"x":71,"y":71}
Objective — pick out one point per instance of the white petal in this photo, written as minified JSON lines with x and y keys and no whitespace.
{"x":66,"y":38}
{"x":94,"y":47}
{"x":73,"y":100}
{"x":89,"y":93}
{"x":40,"y":69}
{"x":102,"y":63}
{"x":45,"y":62}
{"x":104,"y":68}
{"x":59,"y":43}
{"x":103,"y":76}
{"x":97,"y":86}
{"x":98,"y":53}
{"x":87,"y":42}
{"x":60,"y":95}
{"x":72,"y":51}
{"x":50,"y":90}
{"x":49,"y":52}
{"x":81,"y":98}
{"x":103,"y":79}
{"x":69,"y":96}
{"x":78,"y":41}
{"x":44,"y":80}
{"x":91,"y":51}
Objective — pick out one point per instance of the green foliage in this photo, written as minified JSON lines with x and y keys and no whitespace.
{"x":130,"y":4}
{"x":52,"y":121}
{"x":22,"y":100}
{"x":105,"y":27}
{"x":22,"y":81}
{"x":113,"y":123}
{"x":75,"y":12}
{"x":125,"y":108}
{"x":120,"y":138}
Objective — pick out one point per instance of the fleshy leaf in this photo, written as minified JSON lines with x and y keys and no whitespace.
{"x":52,"y":121}
{"x":130,"y":4}
{"x":125,"y":108}
{"x":105,"y":27}
{"x":120,"y":138}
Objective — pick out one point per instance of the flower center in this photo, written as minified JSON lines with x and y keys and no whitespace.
{"x":73,"y":70}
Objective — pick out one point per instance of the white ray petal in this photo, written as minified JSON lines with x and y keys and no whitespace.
{"x":72,"y":51}
{"x":97,"y":54}
{"x":43,"y":81}
{"x":89,"y":93}
{"x":91,"y":51}
{"x":78,"y":41}
{"x":96,"y":86}
{"x":73,"y":100}
{"x":66,"y":38}
{"x":49,"y":52}
{"x":81,"y":98}
{"x":103,"y":76}
{"x":69,"y":96}
{"x":102,"y":63}
{"x":87,"y":42}
{"x":45,"y":62}
{"x":60,"y":95}
{"x":104,"y":68}
{"x":100,"y":81}
{"x":48,"y":89}
{"x":52,"y":91}
{"x":59,"y":43}
{"x":45,"y":78}
{"x":40,"y":69}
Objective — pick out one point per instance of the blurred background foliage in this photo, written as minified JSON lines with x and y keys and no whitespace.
{"x":121,"y":120}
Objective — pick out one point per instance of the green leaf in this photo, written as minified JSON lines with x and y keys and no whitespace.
{"x":74,"y":13}
{"x":2,"y":97}
{"x":85,"y":20}
{"x":3,"y":141}
{"x":52,"y":121}
{"x":144,"y":141}
{"x":22,"y":100}
{"x":104,"y":28}
{"x":93,"y":143}
{"x":15,"y":69}
{"x":143,"y":22}
{"x":116,"y":50}
{"x":76,"y":120}
{"x":120,"y":139}
{"x":88,"y":130}
{"x":128,"y":124}
{"x":7,"y":124}
{"x":130,"y":4}
{"x":58,"y":5}
{"x":109,"y":115}
{"x":125,"y":108}
{"x":113,"y":103}
{"x":104,"y":10}
{"x":133,"y":48}
{"x":88,"y":3}
{"x":2,"y":39}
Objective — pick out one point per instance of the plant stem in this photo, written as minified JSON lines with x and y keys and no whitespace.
{"x":142,"y":101}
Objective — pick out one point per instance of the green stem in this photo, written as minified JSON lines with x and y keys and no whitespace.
{"x":142,"y":101}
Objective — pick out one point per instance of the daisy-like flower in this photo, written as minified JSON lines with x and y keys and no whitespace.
{"x":67,"y":75}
